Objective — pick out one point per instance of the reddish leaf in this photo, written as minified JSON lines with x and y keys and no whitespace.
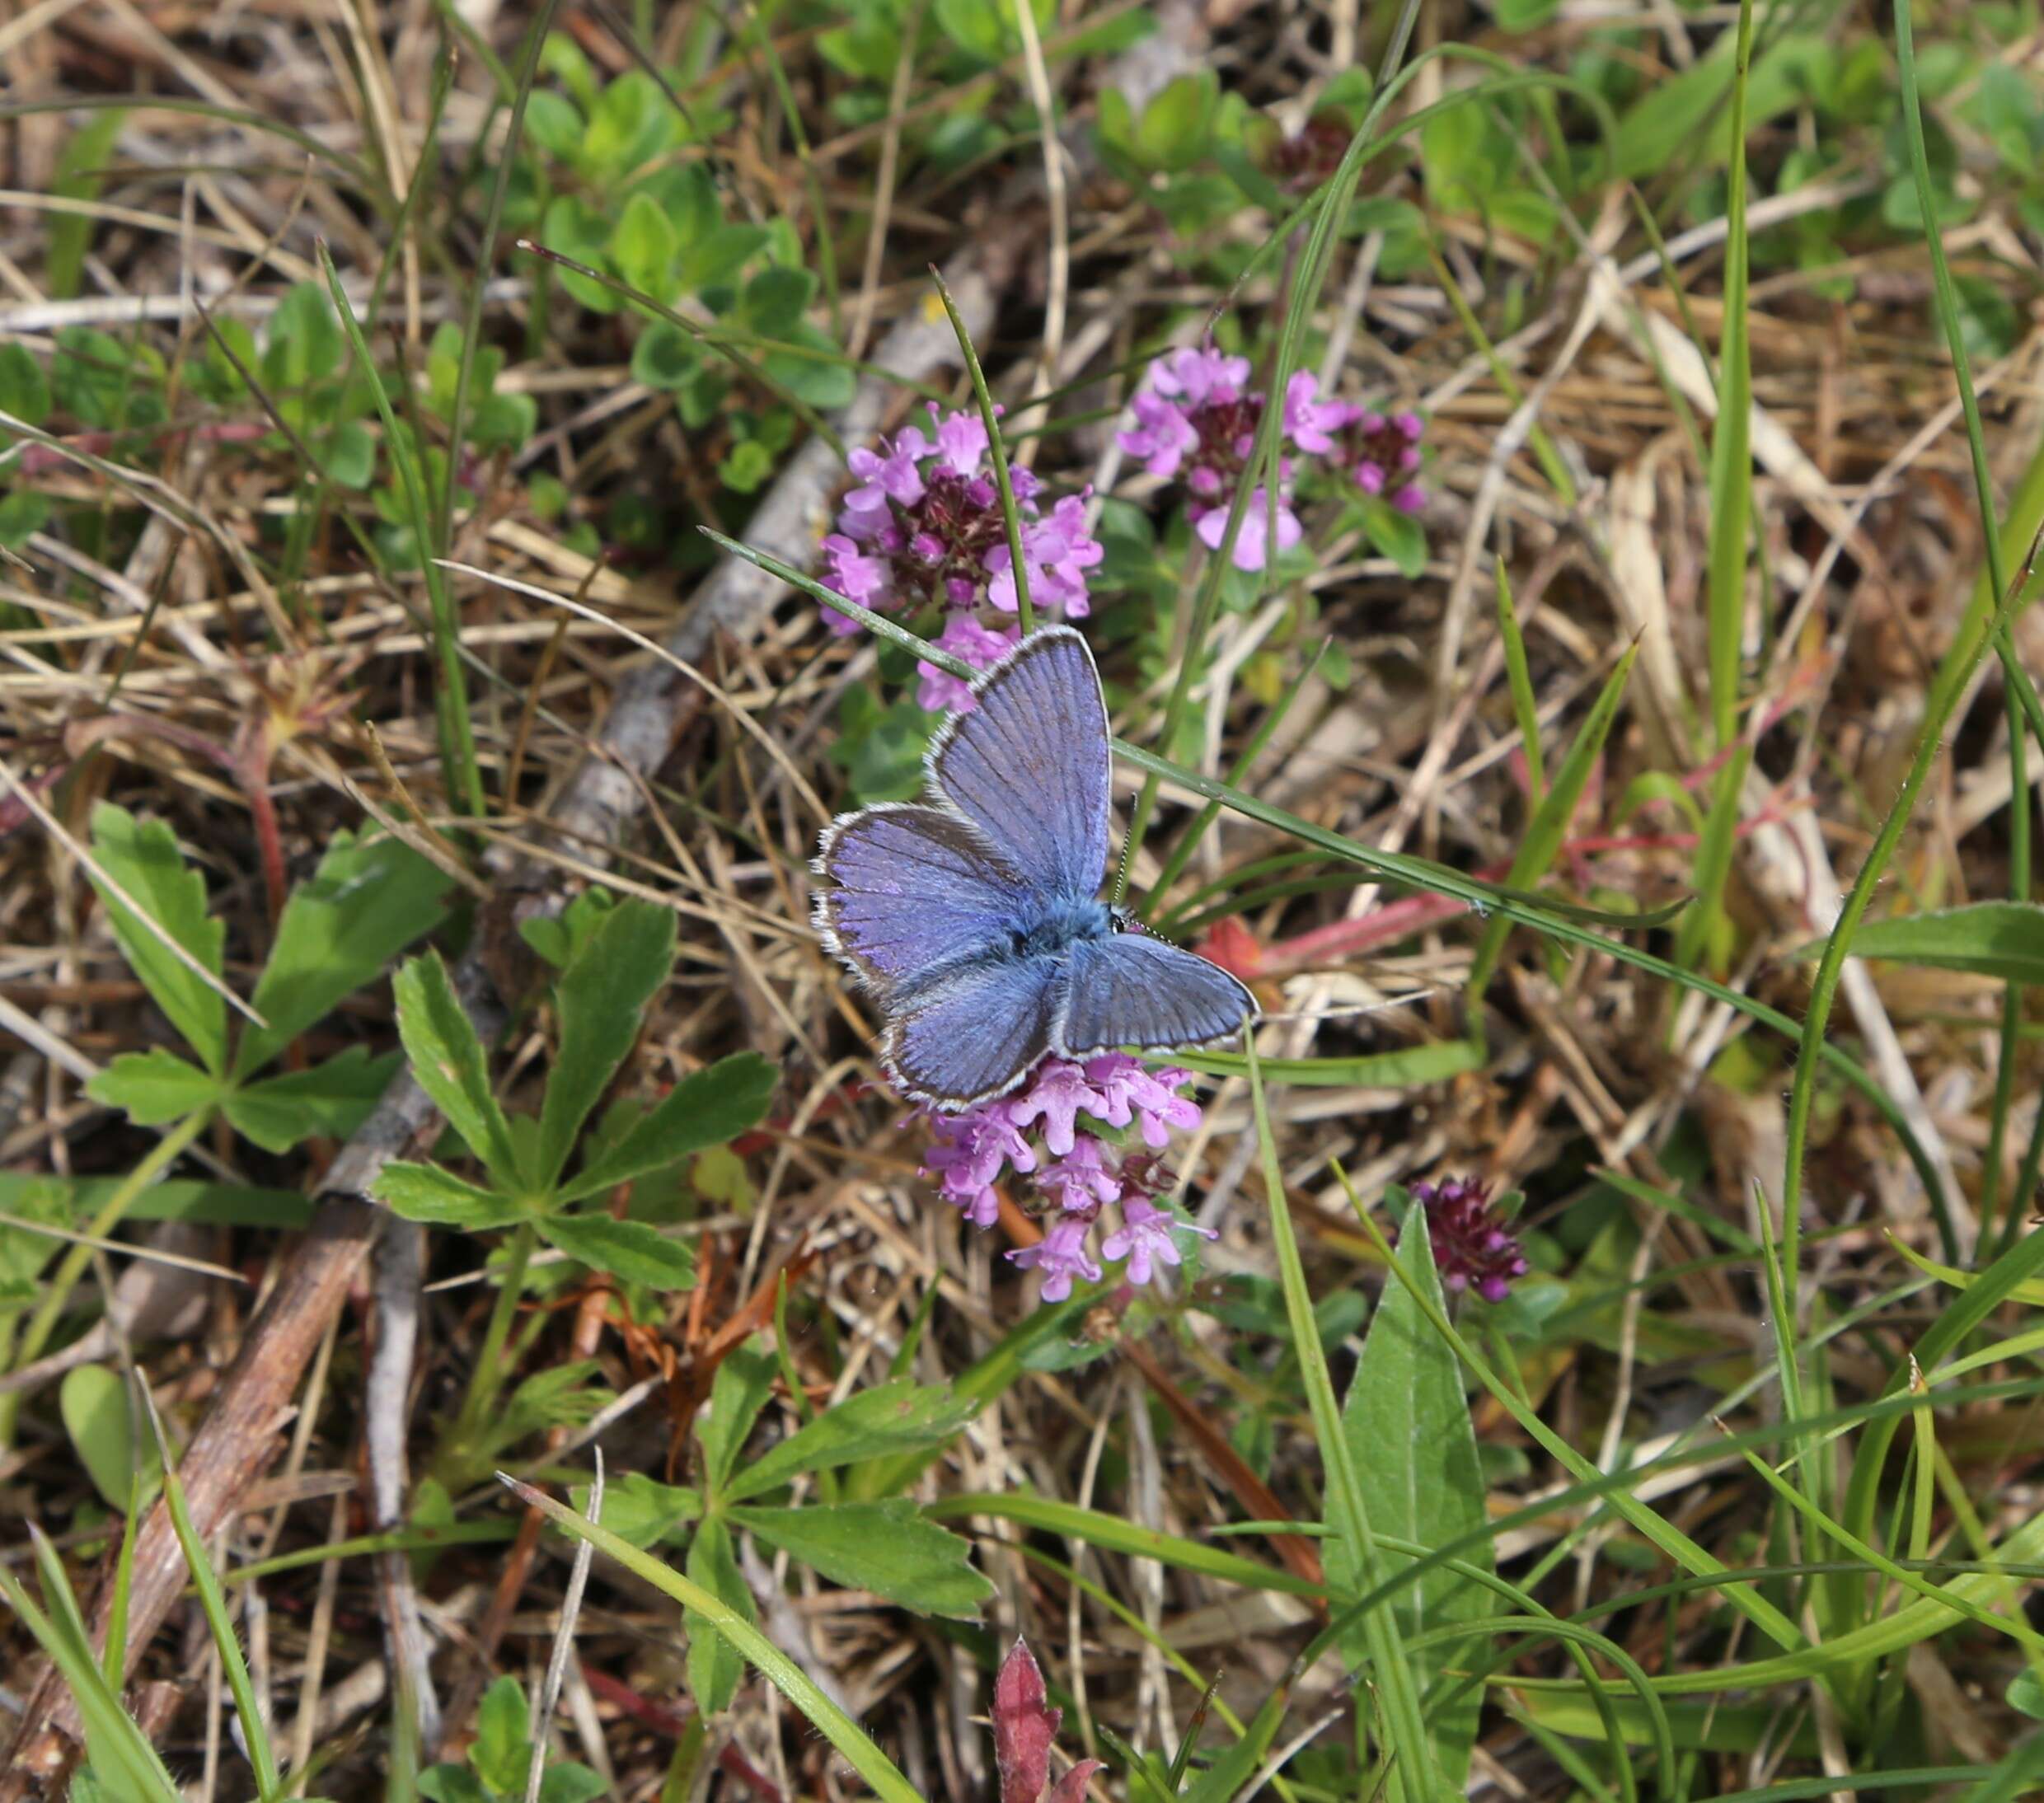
{"x":1071,"y":1787}
{"x":1024,"y":1726}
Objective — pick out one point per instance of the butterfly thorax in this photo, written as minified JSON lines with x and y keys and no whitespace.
{"x":1063,"y":923}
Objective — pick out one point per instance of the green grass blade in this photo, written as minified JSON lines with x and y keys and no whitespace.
{"x":1519,"y":679}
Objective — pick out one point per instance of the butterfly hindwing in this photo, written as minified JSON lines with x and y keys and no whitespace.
{"x":1029,"y":765}
{"x":974,"y":1033}
{"x":1131,"y":990}
{"x":911,"y":890}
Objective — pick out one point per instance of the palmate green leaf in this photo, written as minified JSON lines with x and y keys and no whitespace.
{"x":154,"y":1087}
{"x":2004,"y":939}
{"x":1407,"y":1421}
{"x":705,"y":1109}
{"x":437,"y":1198}
{"x":333,"y":1098}
{"x":143,"y":857}
{"x":599,"y":999}
{"x":739,"y":1392}
{"x":715,"y":1666}
{"x":891,"y":1418}
{"x":629,"y":1249}
{"x":450,"y":1064}
{"x":340,"y":928}
{"x":886,"y":1548}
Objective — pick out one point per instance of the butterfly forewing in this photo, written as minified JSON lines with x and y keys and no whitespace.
{"x":1029,"y":767}
{"x":1135,"y":990}
{"x":975,"y":1032}
{"x":913,"y":890}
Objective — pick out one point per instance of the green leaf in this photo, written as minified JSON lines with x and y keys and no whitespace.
{"x":642,"y":1511}
{"x":2003,"y":940}
{"x":776,"y":300}
{"x":23,"y":513}
{"x":714,"y":1664}
{"x":705,"y":1109}
{"x":1176,"y":126}
{"x":24,"y":388}
{"x":142,"y":858}
{"x":599,"y":999}
{"x":2025,"y":1695}
{"x":502,"y":1747}
{"x":822,"y":382}
{"x":154,"y":1086}
{"x":1395,"y":535}
{"x":436,"y":1198}
{"x":333,"y":1098}
{"x":886,"y":1548}
{"x":305,"y":345}
{"x":340,"y":927}
{"x":891,"y":1418}
{"x":450,"y":1064}
{"x":665,"y":356}
{"x":1525,"y":15}
{"x":348,"y":456}
{"x":629,"y":1249}
{"x":79,"y":178}
{"x":99,"y":1417}
{"x":719,"y":255}
{"x":576,"y":229}
{"x":552,"y":123}
{"x":565,"y":1782}
{"x":736,"y":1396}
{"x":643,"y":246}
{"x":1407,"y":1420}
{"x":452,"y":1784}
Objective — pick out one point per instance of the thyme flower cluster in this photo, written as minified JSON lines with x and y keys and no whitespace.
{"x":1050,"y":1130}
{"x":924,"y":527}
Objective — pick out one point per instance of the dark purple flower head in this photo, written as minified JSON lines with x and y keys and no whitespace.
{"x":1382,"y":450}
{"x":1471,"y":1248}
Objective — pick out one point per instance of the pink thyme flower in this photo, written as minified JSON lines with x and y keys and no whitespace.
{"x":1252,"y":543}
{"x":1129,"y":1092}
{"x":980,"y":646}
{"x":1311,"y":422}
{"x":1145,"y":1235}
{"x":1080,"y":1181}
{"x":1057,"y":1095}
{"x":1471,"y":1248}
{"x":1061,"y":1255}
{"x":967,"y":1155}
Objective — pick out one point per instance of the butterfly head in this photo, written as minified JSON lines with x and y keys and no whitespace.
{"x":1123,"y":922}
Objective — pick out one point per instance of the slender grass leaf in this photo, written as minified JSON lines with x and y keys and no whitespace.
{"x":1989,"y":938}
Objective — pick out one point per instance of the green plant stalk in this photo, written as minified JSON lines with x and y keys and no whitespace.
{"x":1406,"y":1745}
{"x":996,"y":454}
{"x":473,"y":322}
{"x":486,"y":1380}
{"x":2011,"y":1039}
{"x":1714,"y":846}
{"x":114,"y":1654}
{"x":879,"y":1772}
{"x":1669,"y":1538}
{"x":165,"y":1152}
{"x":1400,"y":867}
{"x":1519,"y":678}
{"x":1188,"y":842}
{"x":457,"y":740}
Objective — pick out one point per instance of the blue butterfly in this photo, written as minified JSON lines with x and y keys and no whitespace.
{"x":975,"y":917}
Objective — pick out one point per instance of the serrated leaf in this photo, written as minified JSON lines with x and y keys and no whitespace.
{"x":154,"y":1087}
{"x":2003,"y":940}
{"x":450,"y":1064}
{"x":436,"y":1198}
{"x":886,"y":1548}
{"x":340,"y":927}
{"x":736,"y":1396}
{"x":705,"y":1109}
{"x":142,"y":858}
{"x":629,"y":1249}
{"x":333,"y":1098}
{"x":714,"y":1664}
{"x":599,"y":999}
{"x":99,"y":1416}
{"x":891,"y":1418}
{"x":1407,"y":1420}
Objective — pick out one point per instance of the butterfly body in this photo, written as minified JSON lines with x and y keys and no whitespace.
{"x":975,"y":917}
